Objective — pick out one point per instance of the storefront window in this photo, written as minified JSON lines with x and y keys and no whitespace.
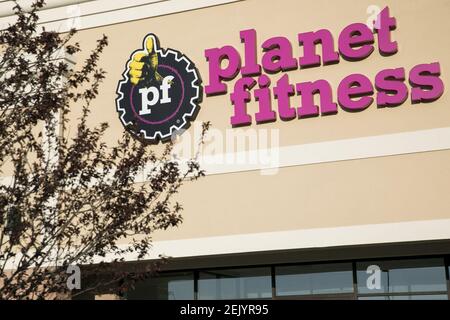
{"x":411,"y":297}
{"x":314,"y":279}
{"x":248,"y":283}
{"x":173,"y":286}
{"x":401,"y":276}
{"x":399,"y":279}
{"x":421,"y":297}
{"x":374,"y":298}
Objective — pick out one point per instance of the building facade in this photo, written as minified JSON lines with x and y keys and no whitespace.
{"x":325,"y":193}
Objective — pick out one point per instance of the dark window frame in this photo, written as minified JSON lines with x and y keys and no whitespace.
{"x":352,"y":295}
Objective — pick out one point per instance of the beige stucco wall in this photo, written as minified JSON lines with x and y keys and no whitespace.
{"x":375,"y":190}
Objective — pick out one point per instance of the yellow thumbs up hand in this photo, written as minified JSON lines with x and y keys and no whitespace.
{"x":144,"y":64}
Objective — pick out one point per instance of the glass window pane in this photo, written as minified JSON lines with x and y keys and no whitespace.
{"x":314,"y":279}
{"x":170,"y":286}
{"x":421,"y":297}
{"x":374,"y":298}
{"x":418,"y":275}
{"x":248,"y":283}
{"x":411,"y":297}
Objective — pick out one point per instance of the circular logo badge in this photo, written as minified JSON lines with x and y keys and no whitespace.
{"x":160,"y":92}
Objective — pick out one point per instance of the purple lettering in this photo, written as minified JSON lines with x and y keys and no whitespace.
{"x":356,"y":42}
{"x":392,"y":90}
{"x":278,"y":55}
{"x":309,"y":40}
{"x":307,"y":91}
{"x":355,"y":86}
{"x":216,"y":73}
{"x":239,"y":98}
{"x":426,"y":84}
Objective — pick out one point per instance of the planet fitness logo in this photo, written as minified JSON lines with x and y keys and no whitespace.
{"x":160,"y":92}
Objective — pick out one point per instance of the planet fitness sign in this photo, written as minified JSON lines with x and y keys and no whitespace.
{"x":354,"y":93}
